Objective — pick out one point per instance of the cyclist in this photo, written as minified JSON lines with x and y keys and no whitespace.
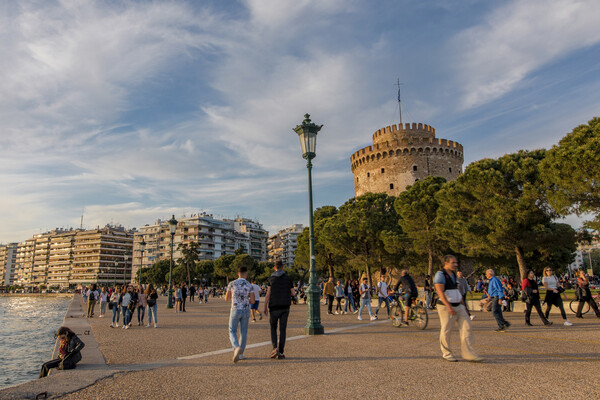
{"x":410,"y":292}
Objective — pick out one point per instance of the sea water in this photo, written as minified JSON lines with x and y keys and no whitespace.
{"x":27,"y":327}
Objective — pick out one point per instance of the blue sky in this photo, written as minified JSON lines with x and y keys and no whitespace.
{"x":133,"y":111}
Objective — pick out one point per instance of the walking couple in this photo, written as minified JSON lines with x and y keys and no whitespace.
{"x":277,"y":306}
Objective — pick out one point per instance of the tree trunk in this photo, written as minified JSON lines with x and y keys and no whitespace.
{"x":430,"y":269}
{"x":521,"y":262}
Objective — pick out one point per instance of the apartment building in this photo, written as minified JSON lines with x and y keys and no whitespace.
{"x":60,"y":260}
{"x":283,"y":245}
{"x":585,"y":254}
{"x":215,"y":237}
{"x":8,"y":260}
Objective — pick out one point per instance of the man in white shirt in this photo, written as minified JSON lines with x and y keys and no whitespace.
{"x":254,"y":307}
{"x":382,"y":296}
{"x":241,"y":295}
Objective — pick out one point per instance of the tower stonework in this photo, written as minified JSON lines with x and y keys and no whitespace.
{"x":401,"y":155}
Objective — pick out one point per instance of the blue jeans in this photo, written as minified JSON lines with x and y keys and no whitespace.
{"x":428,"y":299}
{"x":240,"y":317}
{"x":387,"y":304}
{"x":141,"y":311}
{"x":497,"y":312}
{"x":126,"y":315}
{"x":152,"y":311}
{"x":350,"y":300}
{"x":115,"y":311}
{"x":367,"y":303}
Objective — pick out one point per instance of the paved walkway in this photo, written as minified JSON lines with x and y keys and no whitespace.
{"x":189,"y":357}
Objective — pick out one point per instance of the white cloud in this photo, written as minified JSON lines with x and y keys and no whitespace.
{"x":517,"y":39}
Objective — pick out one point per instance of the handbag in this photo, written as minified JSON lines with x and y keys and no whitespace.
{"x":524,"y":296}
{"x":110,"y":305}
{"x":559,"y":287}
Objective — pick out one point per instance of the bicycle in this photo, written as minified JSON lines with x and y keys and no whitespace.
{"x":417,"y":316}
{"x":586,"y":307}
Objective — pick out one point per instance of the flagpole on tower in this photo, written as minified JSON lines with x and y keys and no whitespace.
{"x":399,"y":102}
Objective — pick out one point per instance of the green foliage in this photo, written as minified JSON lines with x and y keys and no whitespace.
{"x":417,"y":207}
{"x":263,"y":271}
{"x":204,"y":271}
{"x":245,"y":260}
{"x":156,"y":273}
{"x":224,"y":269}
{"x":498,"y":208}
{"x":572,"y":172}
{"x":190,"y":253}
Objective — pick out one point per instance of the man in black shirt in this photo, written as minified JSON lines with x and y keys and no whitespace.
{"x":277,"y":303}
{"x":410,"y":292}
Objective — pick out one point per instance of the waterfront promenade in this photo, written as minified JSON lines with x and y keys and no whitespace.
{"x":189,"y":357}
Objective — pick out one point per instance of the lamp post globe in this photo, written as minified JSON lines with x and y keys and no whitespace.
{"x":307,"y":133}
{"x":172,"y":228}
{"x":142,"y":248}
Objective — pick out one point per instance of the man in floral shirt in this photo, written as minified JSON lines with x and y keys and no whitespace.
{"x":241,"y":295}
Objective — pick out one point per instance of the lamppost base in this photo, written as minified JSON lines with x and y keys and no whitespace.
{"x":314,"y":330}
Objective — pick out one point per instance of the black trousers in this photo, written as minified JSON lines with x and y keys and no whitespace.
{"x":534,"y":302}
{"x":329,"y":303}
{"x":183,"y":304}
{"x":591,"y":302}
{"x":47,"y":366}
{"x":279,"y":317}
{"x":556,"y":300}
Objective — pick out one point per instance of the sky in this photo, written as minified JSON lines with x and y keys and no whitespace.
{"x":129,"y":111}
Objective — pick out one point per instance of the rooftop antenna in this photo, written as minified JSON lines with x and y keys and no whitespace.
{"x":399,"y":101}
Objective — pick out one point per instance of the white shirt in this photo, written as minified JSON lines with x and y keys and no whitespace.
{"x":365,"y":289}
{"x":551,"y":281}
{"x":382,"y":286}
{"x":256,"y":290}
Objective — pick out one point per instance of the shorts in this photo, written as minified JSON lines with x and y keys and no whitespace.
{"x":255,"y":305}
{"x":409,"y":299}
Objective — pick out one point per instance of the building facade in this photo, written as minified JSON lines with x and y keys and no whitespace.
{"x":283,"y":245}
{"x":586,"y":255}
{"x":215,"y":238}
{"x":400,"y":156}
{"x":8,"y":260}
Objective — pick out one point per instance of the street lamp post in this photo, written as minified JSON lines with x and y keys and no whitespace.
{"x":142,"y":248}
{"x":172,"y":227}
{"x":307,"y":132}
{"x":115,"y":273}
{"x":125,"y":257}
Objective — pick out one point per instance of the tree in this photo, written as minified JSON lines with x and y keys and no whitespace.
{"x":497,"y":208}
{"x":223,"y":267}
{"x":263,"y":271}
{"x":190,"y":257}
{"x":244,"y":260}
{"x":205,"y":270}
{"x":417,"y":207}
{"x":157,"y":272}
{"x":358,"y":228}
{"x":572,"y":172}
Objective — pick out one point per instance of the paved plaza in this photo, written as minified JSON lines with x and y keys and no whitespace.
{"x":189,"y":357}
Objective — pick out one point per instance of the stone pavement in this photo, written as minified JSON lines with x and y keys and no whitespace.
{"x":189,"y":357}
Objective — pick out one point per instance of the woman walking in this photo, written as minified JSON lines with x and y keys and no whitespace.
{"x":125,"y":302}
{"x":103,"y":301}
{"x":178,"y":299}
{"x":339,"y":295}
{"x":69,"y":352}
{"x":151,"y":299}
{"x":550,"y":282}
{"x":115,"y":300}
{"x":530,"y":287}
{"x":585,"y":295}
{"x":141,"y":305}
{"x":349,"y":298}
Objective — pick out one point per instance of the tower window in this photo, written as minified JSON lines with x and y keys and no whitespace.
{"x":450,"y":169}
{"x":416,"y":180}
{"x":357,"y":179}
{"x":383,"y":170}
{"x":414,"y":167}
{"x":391,"y":185}
{"x":368,"y":174}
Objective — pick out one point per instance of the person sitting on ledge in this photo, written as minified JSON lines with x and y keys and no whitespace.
{"x":69,"y":352}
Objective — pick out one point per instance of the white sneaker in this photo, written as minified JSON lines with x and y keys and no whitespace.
{"x":127,"y":327}
{"x":472,"y":317}
{"x":359,"y":318}
{"x":344,"y":312}
{"x":242,"y":357}
{"x":117,"y":325}
{"x":148,"y":326}
{"x":156,"y":325}
{"x":567,"y":323}
{"x":111,"y":325}
{"x":373,"y":318}
{"x":337,"y":313}
{"x":355,"y":311}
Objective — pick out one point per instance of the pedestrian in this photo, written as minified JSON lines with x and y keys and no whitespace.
{"x":329,"y":294}
{"x":125,"y":302}
{"x":254,"y":307}
{"x":103,"y":301}
{"x":463,"y":287}
{"x":348,"y":292}
{"x":496,"y":292}
{"x":177,"y":299}
{"x":277,"y":306}
{"x":206,"y":294}
{"x":585,"y":295}
{"x":452,"y":312}
{"x":192,"y":293}
{"x":339,"y":295}
{"x":91,"y":295}
{"x":151,"y":300}
{"x":183,"y":296}
{"x":382,"y":296}
{"x":141,"y":306}
{"x":115,"y":301}
{"x":69,"y":352}
{"x":550,"y":282}
{"x":240,"y":293}
{"x":428,"y":292}
{"x":365,"y":299}
{"x":411,"y":292}
{"x":532,"y":298}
